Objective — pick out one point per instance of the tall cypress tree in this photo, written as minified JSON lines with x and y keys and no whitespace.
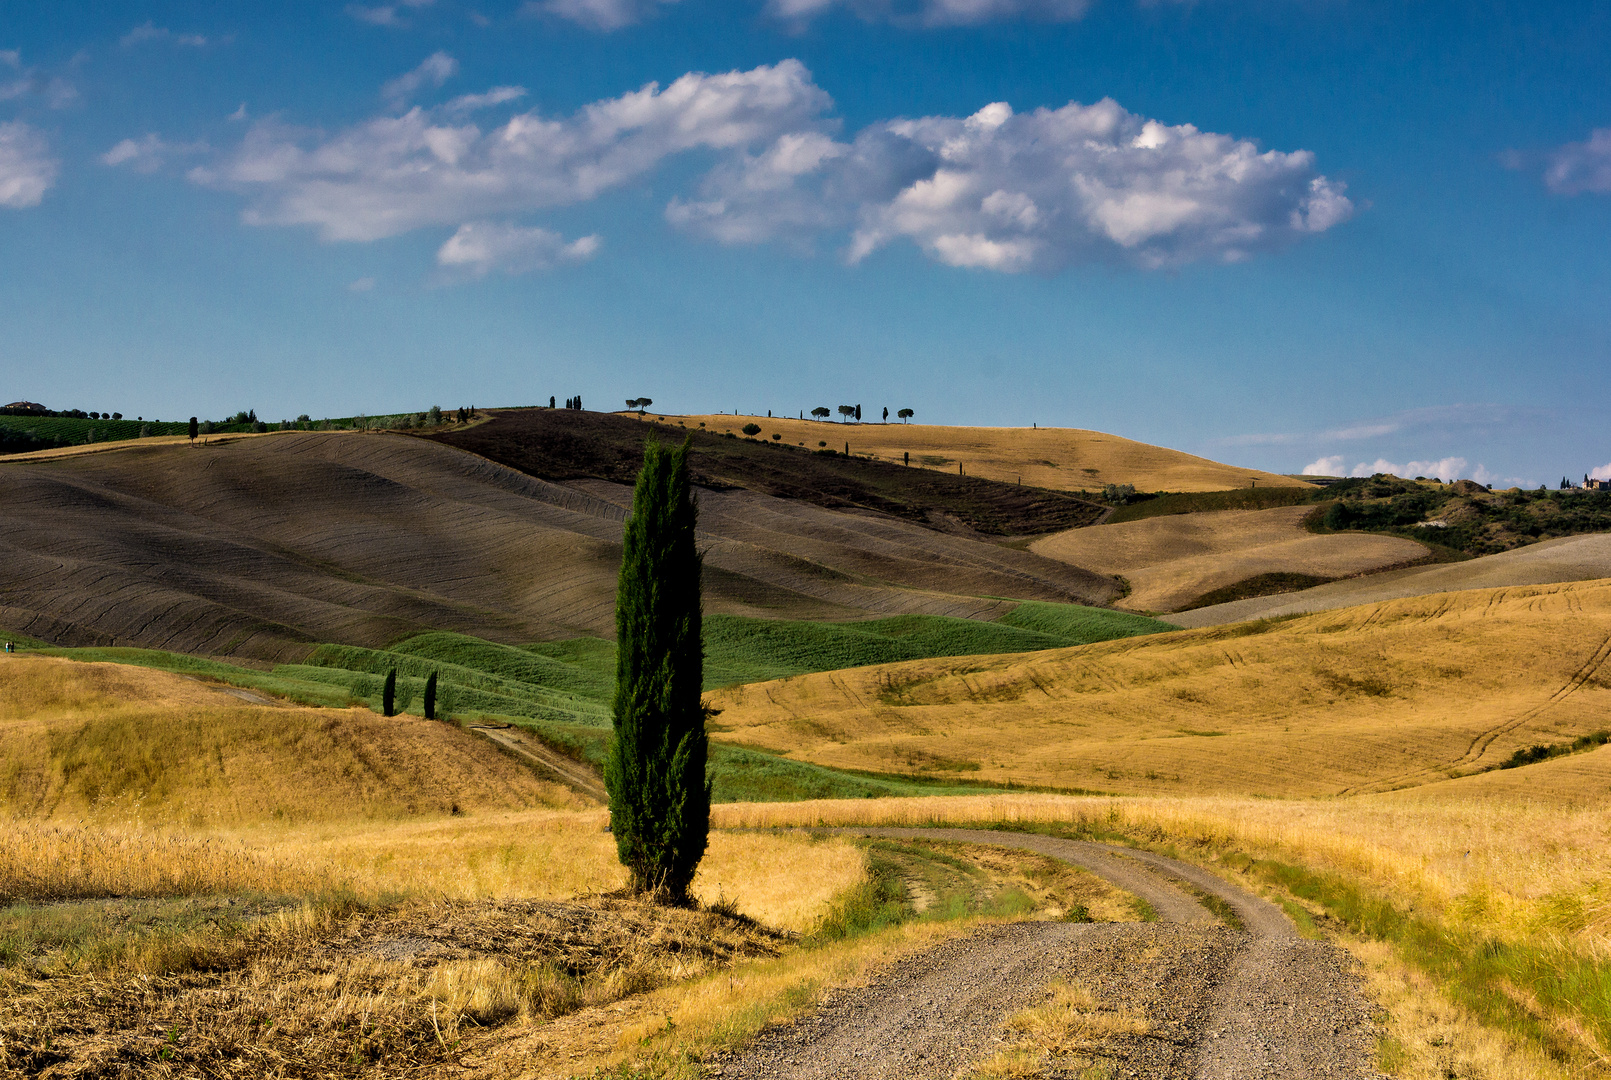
{"x":659,"y":797}
{"x":430,"y":696}
{"x":388,"y":694}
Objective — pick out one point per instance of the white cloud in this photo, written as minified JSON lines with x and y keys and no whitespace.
{"x":1005,"y":191}
{"x":151,"y":32}
{"x":498,"y":95}
{"x":435,"y":69}
{"x":1602,"y":473}
{"x":1582,"y":166}
{"x":480,"y":247}
{"x":57,"y":91}
{"x":362,"y":285}
{"x":933,"y":12}
{"x":997,"y":190}
{"x":26,"y":167}
{"x":384,"y":14}
{"x":603,"y":15}
{"x":394,"y":174}
{"x":147,"y":155}
{"x":1326,"y":466}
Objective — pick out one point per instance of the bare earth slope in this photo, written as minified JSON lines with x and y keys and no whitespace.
{"x":1397,"y":694}
{"x":1569,"y":558}
{"x":259,"y":547}
{"x":1062,"y":459}
{"x":1170,"y":561}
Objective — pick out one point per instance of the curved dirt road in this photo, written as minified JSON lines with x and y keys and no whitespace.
{"x":1258,"y":1003}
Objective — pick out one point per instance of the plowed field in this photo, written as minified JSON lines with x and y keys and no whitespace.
{"x":1379,"y":697}
{"x":258,"y":548}
{"x":1062,"y":459}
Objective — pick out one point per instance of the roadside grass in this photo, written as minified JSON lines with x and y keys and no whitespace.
{"x":1492,"y":915}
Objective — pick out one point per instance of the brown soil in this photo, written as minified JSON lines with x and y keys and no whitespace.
{"x":1254,"y":1003}
{"x":259,"y":548}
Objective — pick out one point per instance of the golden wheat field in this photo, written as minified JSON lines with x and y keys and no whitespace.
{"x":1062,"y":459}
{"x":1170,"y":561}
{"x":1385,"y":696}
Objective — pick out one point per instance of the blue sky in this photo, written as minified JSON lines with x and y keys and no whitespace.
{"x":1283,"y":233}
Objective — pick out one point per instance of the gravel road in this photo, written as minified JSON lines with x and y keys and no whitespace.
{"x":1258,"y":1003}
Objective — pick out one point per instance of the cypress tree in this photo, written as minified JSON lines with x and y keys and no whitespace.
{"x":193,"y":429}
{"x":430,"y":696}
{"x":388,"y":694}
{"x":659,"y":797}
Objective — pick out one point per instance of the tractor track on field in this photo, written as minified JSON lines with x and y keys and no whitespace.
{"x":1258,"y":1003}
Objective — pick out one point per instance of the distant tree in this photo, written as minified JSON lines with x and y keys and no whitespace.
{"x":905,"y":415}
{"x":777,"y":436}
{"x":578,"y":402}
{"x":847,"y":411}
{"x":751,"y":429}
{"x":821,"y":412}
{"x":644,"y":403}
{"x":886,"y":414}
{"x":388,"y":694}
{"x":117,"y":416}
{"x":430,"y":696}
{"x":655,"y":772}
{"x":632,"y":403}
{"x":858,"y":414}
{"x":550,"y":401}
{"x":434,"y":416}
{"x":145,"y":431}
{"x":304,"y":418}
{"x":822,"y":442}
{"x":194,"y":429}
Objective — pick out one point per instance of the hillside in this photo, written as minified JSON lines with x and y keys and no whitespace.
{"x":1569,"y":558}
{"x":112,"y":741}
{"x":1059,"y":459}
{"x":1396,"y":694}
{"x":563,"y":445}
{"x":1172,"y":560}
{"x":261,"y":548}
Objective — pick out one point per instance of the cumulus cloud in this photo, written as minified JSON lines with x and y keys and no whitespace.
{"x":1602,"y":473}
{"x":480,"y":247}
{"x":1581,"y":166}
{"x":603,"y":15}
{"x":1448,"y":468}
{"x":26,"y":168}
{"x":997,"y":190}
{"x":929,"y":13}
{"x":1005,"y":191}
{"x":435,"y":70}
{"x":394,"y":174}
{"x":148,"y":154}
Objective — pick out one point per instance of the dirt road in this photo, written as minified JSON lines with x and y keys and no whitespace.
{"x":1208,"y":1002}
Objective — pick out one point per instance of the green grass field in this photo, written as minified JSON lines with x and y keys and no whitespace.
{"x":561,"y":690}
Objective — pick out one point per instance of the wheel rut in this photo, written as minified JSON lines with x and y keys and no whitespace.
{"x":1258,"y":1003}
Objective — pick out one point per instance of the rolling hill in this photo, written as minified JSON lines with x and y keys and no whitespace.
{"x":1390,"y":695}
{"x":1172,"y":560}
{"x":1567,"y":558}
{"x":1058,"y":459}
{"x":261,"y":548}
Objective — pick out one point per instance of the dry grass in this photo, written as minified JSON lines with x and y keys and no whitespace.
{"x":1170,"y":561}
{"x":1068,"y":1022}
{"x":129,"y":444}
{"x":1393,"y":695}
{"x":1063,"y":459}
{"x":115,"y":743}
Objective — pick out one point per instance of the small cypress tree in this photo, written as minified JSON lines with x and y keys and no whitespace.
{"x":430,"y":696}
{"x":195,"y":429}
{"x":659,"y":797}
{"x":388,"y":694}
